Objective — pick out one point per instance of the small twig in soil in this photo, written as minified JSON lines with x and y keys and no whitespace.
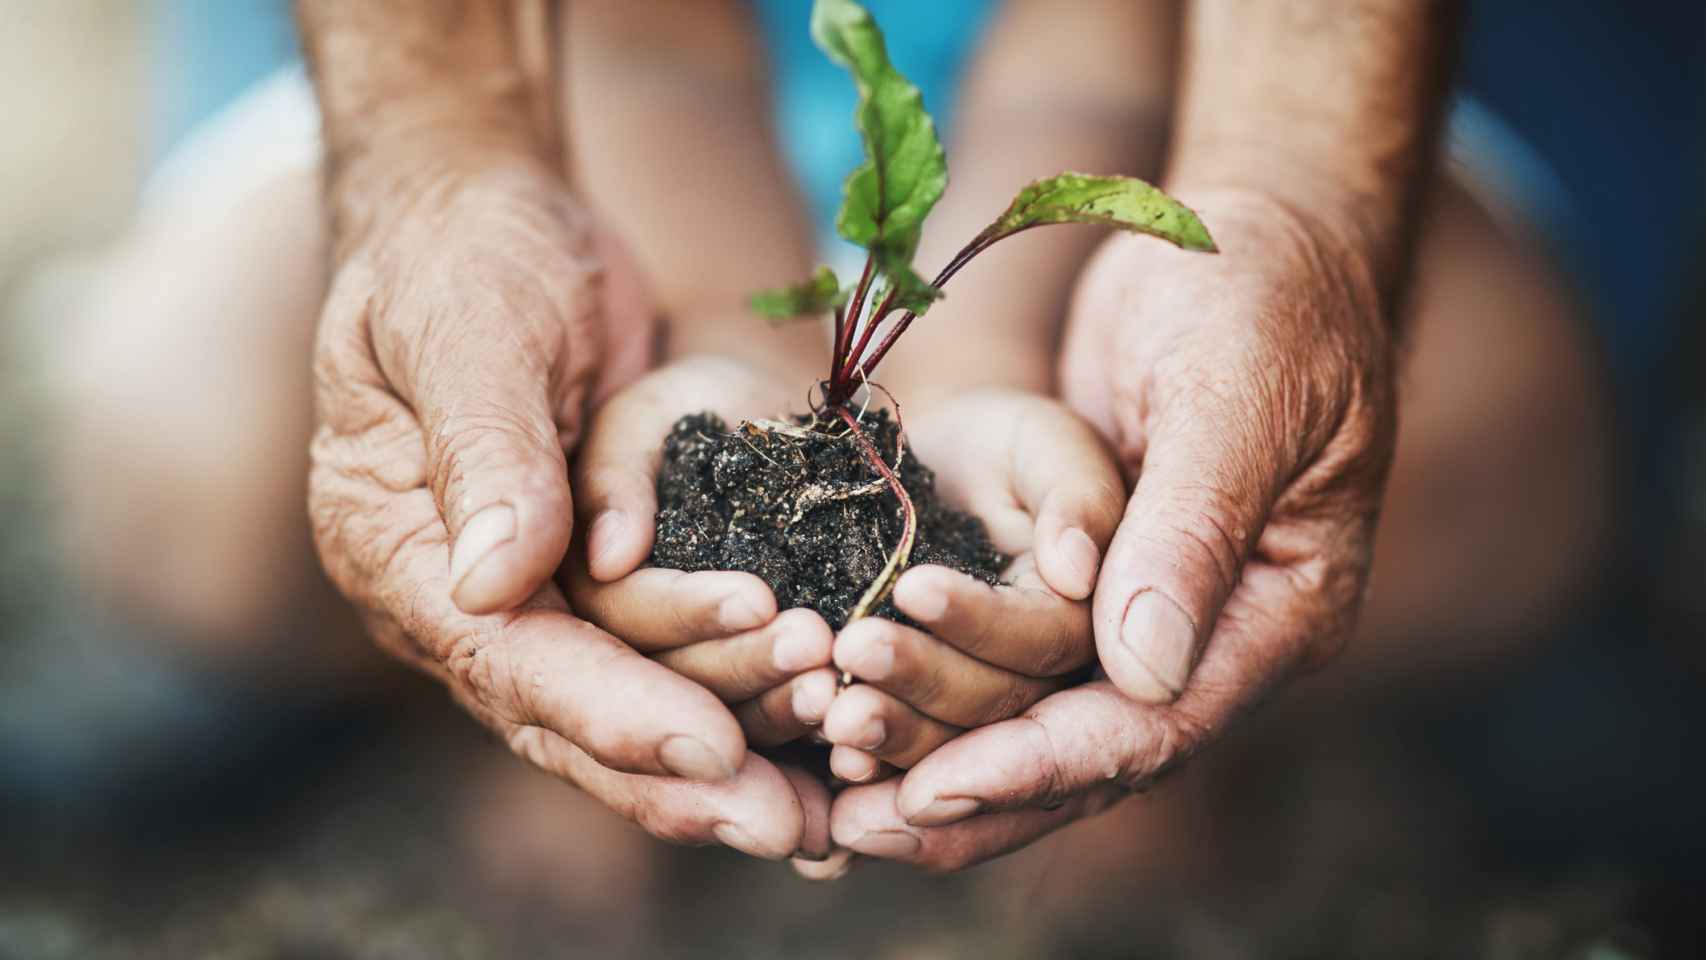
{"x":754,"y":448}
{"x":817,"y":494}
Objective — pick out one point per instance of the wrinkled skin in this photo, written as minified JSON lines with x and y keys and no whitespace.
{"x":1250,"y":400}
{"x":461,"y":340}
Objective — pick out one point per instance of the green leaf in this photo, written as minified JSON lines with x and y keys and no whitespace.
{"x":913,"y":292}
{"x":886,"y":199}
{"x":1124,"y":202}
{"x":814,"y":297}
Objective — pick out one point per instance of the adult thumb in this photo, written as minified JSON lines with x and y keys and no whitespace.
{"x":1179,"y":552}
{"x":497,"y":470}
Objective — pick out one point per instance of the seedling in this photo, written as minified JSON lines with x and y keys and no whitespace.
{"x":886,"y":200}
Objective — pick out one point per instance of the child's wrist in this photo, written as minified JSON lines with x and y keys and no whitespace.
{"x":931,"y":377}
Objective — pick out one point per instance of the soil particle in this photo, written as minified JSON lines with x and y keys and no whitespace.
{"x":803,"y":511}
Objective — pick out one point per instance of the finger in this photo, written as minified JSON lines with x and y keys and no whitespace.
{"x":932,"y":676}
{"x":856,"y":766}
{"x":741,"y":667}
{"x":1201,"y":501}
{"x":1084,"y":737}
{"x":789,"y":711}
{"x":547,"y":669}
{"x":865,"y":819}
{"x":539,"y":667}
{"x":655,"y":609}
{"x":836,"y":866}
{"x":759,"y":811}
{"x":493,"y":419}
{"x":616,"y":478}
{"x":1070,"y":483}
{"x":870,"y":720}
{"x":814,"y":800}
{"x":1022,"y":625}
{"x":1094,"y":736}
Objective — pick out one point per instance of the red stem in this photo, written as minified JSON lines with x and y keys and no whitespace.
{"x":977,"y":246}
{"x":847,"y":365}
{"x":844,"y":332}
{"x":850,"y":363}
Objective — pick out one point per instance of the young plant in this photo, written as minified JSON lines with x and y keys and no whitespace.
{"x":886,"y":200}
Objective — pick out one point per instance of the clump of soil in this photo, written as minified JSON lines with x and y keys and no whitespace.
{"x":803,"y":511}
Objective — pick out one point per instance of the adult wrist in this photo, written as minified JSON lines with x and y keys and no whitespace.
{"x":377,"y":198}
{"x":1358,"y":244}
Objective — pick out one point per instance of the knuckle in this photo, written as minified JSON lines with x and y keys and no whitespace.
{"x":1050,"y":776}
{"x":1202,"y":542}
{"x":473,"y":665}
{"x":692,"y":611}
{"x":663,"y":820}
{"x":362,"y":547}
{"x":929,"y":685}
{"x":494,"y":441}
{"x":1061,"y":651}
{"x":1011,"y":697}
{"x":1171,"y":741}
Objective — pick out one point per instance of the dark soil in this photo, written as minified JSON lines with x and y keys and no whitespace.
{"x":806,"y":514}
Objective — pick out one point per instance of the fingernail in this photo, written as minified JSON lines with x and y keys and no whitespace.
{"x":731,"y":835}
{"x":865,"y":777}
{"x":871,"y":657}
{"x":811,"y":701}
{"x":928,"y":605}
{"x":889,"y":844}
{"x":796,"y":652}
{"x":605,"y":533}
{"x":871,"y":735}
{"x":484,"y":532}
{"x":1082,"y":556}
{"x":693,"y":758}
{"x":833,"y":867}
{"x":736,"y":612}
{"x":943,"y":811}
{"x":1161,"y":638}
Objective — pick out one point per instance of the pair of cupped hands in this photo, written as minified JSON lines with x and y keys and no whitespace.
{"x":1191,"y":520}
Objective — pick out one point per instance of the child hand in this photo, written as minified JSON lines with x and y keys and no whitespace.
{"x":1050,"y":495}
{"x":720,"y":629}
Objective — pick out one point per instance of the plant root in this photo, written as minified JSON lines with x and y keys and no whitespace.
{"x":880,"y":588}
{"x":818,"y":494}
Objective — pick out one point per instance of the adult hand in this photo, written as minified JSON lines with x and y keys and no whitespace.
{"x":464,"y":332}
{"x":1251,"y":396}
{"x":1049,"y":494}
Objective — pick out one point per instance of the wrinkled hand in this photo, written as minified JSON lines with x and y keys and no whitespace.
{"x":1251,"y":396}
{"x":459,"y":343}
{"x":1049,"y":494}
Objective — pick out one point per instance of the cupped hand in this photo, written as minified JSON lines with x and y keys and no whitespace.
{"x":1250,"y":395}
{"x":1049,"y":493}
{"x":463,"y":334}
{"x":720,"y":629}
